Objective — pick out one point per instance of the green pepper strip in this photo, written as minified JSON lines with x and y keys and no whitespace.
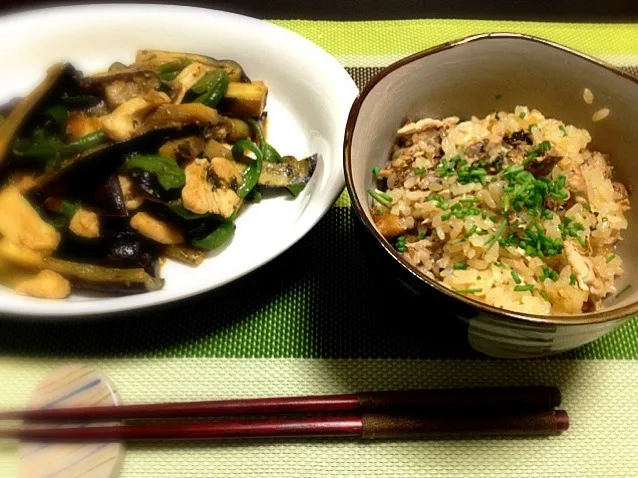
{"x":60,"y":115}
{"x":169,"y":76}
{"x":270,"y":154}
{"x":217,"y":238}
{"x":50,"y":149}
{"x":216,"y":91}
{"x":176,"y":65}
{"x":251,"y":174}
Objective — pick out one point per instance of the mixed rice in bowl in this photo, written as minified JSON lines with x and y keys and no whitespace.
{"x":512,"y":210}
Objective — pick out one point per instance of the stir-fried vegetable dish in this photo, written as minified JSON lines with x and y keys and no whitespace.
{"x":105,"y":175}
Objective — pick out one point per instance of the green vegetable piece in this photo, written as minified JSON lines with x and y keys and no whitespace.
{"x":295,"y":189}
{"x":572,"y":279}
{"x":522,"y":115}
{"x":400,"y":244}
{"x":378,"y":198}
{"x":375,"y":170}
{"x":524,"y":288}
{"x":168,"y":173}
{"x":516,"y":277}
{"x":544,"y":295}
{"x":217,"y":238}
{"x":89,"y":141}
{"x":270,"y":154}
{"x":469,"y":291}
{"x":490,"y":242}
{"x":610,"y":258}
{"x":60,"y":115}
{"x":419,"y":171}
{"x":251,"y":174}
{"x":176,"y":65}
{"x":216,"y":90}
{"x":169,"y":76}
{"x":459,"y":266}
{"x":563,"y":129}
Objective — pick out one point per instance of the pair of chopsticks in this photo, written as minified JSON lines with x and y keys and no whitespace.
{"x":424,"y":414}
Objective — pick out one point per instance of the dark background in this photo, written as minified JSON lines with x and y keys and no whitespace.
{"x":557,"y":10}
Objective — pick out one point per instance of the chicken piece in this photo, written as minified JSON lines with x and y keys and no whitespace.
{"x":85,"y":223}
{"x":621,"y":196}
{"x":225,"y":173}
{"x":186,"y":80}
{"x":581,"y":266}
{"x":158,"y":231}
{"x":23,"y":180}
{"x":21,"y":224}
{"x":80,"y":124}
{"x":128,"y":119}
{"x":202,"y":197}
{"x":45,"y":285}
{"x":133,"y":197}
{"x":424,"y":124}
{"x":389,"y":225}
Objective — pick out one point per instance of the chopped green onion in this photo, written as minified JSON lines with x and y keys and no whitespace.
{"x":563,"y":129}
{"x":445,"y":217}
{"x":420,"y":236}
{"x":586,"y":207}
{"x":533,"y":125}
{"x":375,"y":170}
{"x":400,"y":244}
{"x":524,"y":288}
{"x":623,"y":291}
{"x":500,"y":264}
{"x":471,"y":231}
{"x":516,"y":277}
{"x":380,"y":199}
{"x":469,"y":291}
{"x":460,"y":266}
{"x":490,"y":242}
{"x":419,"y":171}
{"x":572,"y":279}
{"x":522,"y":115}
{"x":544,"y":295}
{"x":610,"y":258}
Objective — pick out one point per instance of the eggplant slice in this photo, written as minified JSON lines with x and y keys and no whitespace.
{"x":120,"y":85}
{"x":84,"y":276}
{"x":109,"y":198}
{"x":288,"y":173}
{"x":58,"y":75}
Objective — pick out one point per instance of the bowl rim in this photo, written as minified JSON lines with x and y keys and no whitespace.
{"x":604,"y":315}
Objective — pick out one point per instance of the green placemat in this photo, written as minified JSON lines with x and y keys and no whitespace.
{"x":312,"y":323}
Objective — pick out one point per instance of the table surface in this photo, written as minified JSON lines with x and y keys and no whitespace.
{"x":312,"y":324}
{"x":527,"y":10}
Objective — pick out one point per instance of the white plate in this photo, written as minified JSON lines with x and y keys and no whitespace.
{"x":310,"y":95}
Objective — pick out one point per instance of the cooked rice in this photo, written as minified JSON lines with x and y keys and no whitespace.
{"x":511,"y":209}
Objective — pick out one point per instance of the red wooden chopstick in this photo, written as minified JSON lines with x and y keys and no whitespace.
{"x":479,"y":400}
{"x":367,"y":426}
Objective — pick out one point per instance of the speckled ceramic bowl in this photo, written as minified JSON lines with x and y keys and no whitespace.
{"x":475,"y":76}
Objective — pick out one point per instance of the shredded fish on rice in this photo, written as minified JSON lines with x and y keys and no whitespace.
{"x":511,"y":209}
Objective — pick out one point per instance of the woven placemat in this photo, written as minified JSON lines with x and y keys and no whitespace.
{"x":313,"y":323}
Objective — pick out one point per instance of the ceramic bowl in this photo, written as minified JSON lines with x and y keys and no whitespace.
{"x":476,"y":76}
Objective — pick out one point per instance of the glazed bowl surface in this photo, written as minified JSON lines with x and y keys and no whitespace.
{"x":476,"y":76}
